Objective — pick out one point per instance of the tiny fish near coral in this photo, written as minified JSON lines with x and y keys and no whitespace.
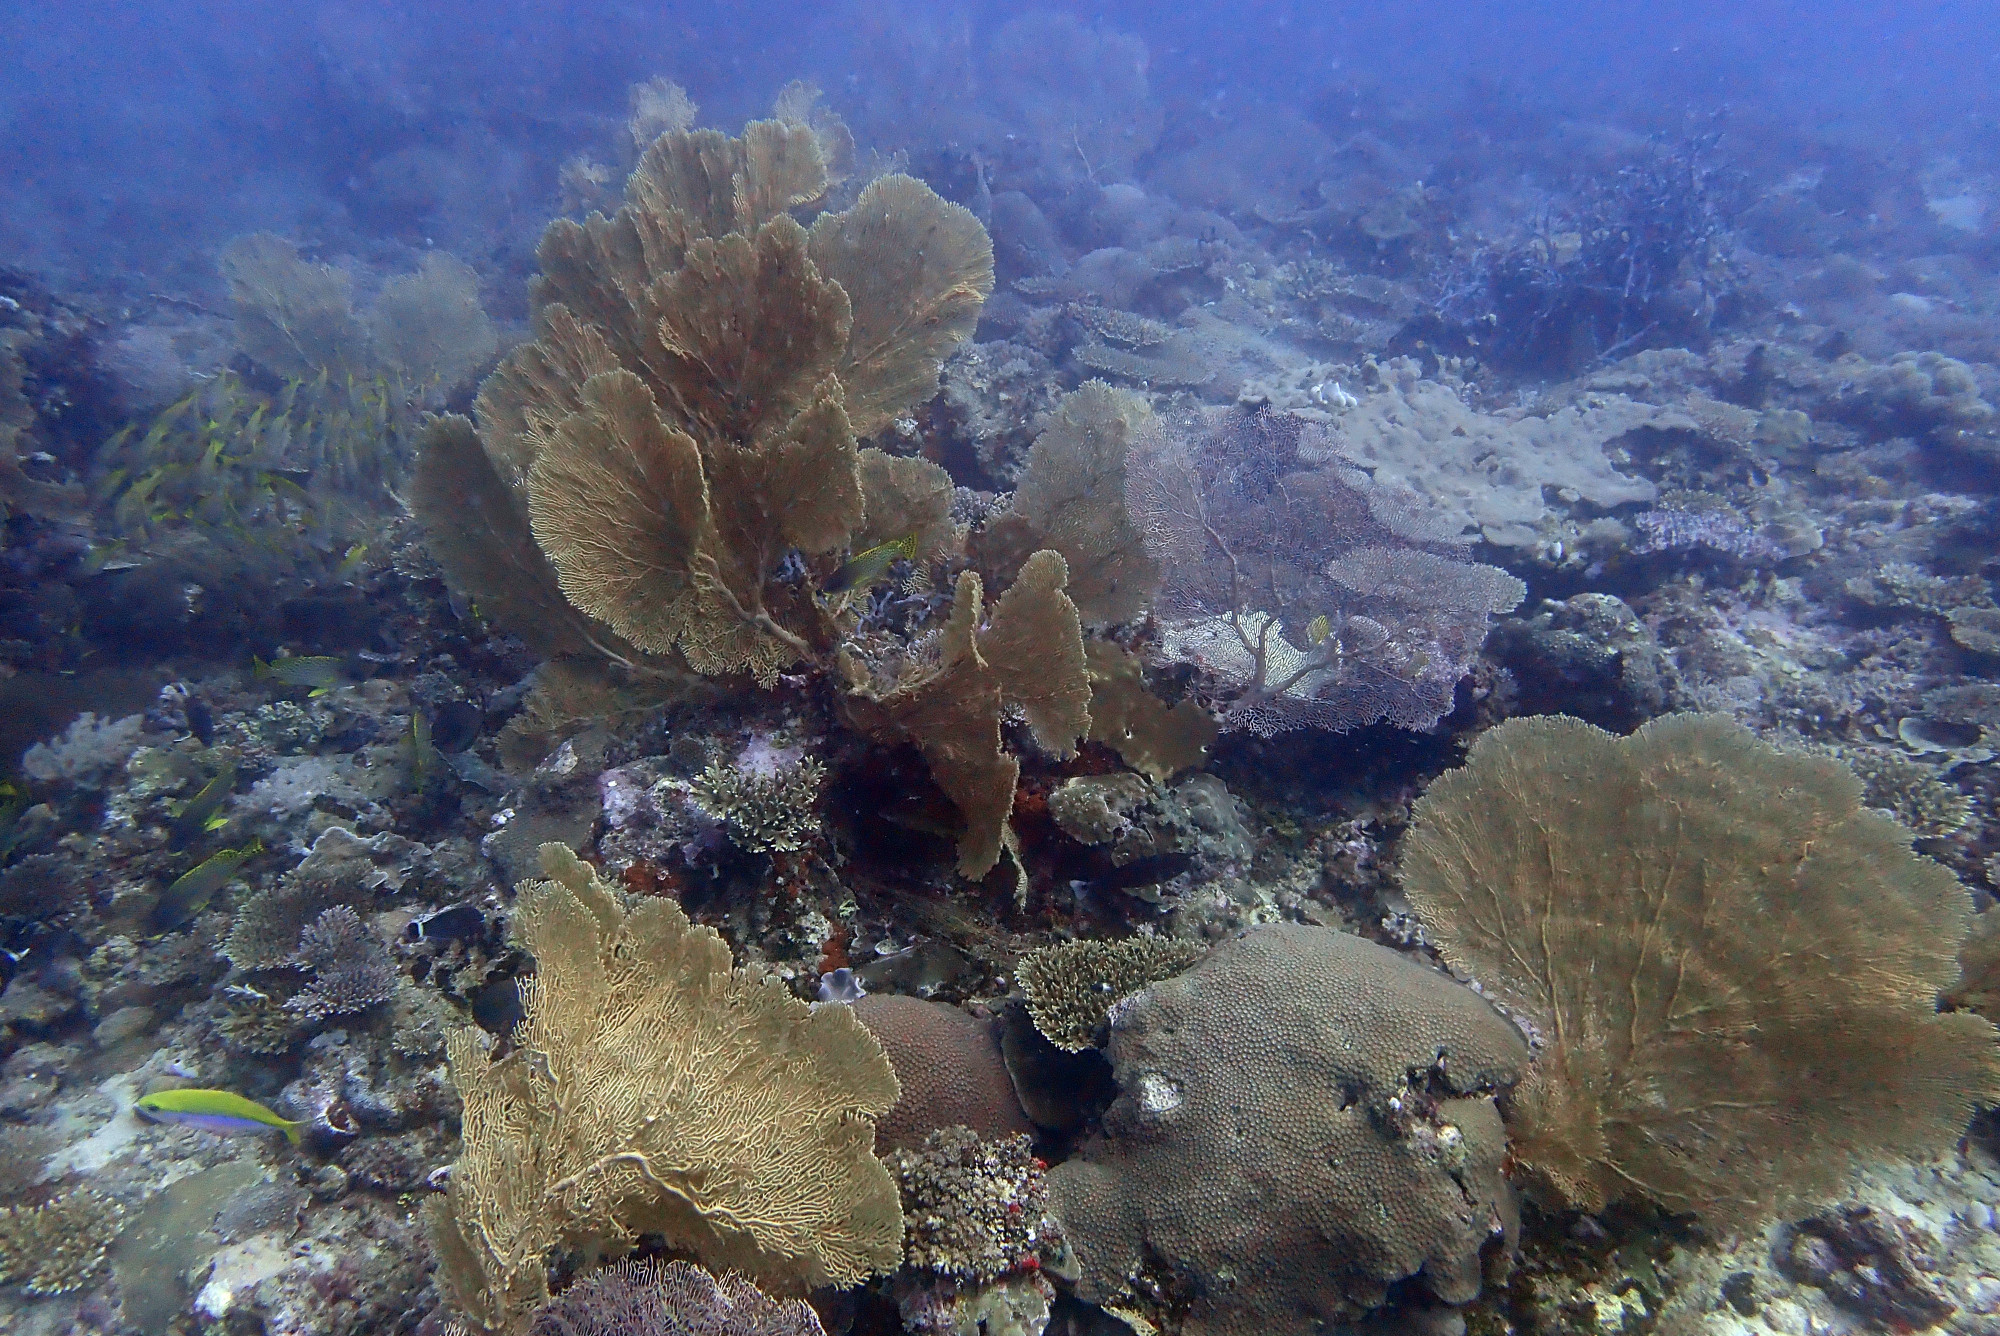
{"x":218,"y":1111}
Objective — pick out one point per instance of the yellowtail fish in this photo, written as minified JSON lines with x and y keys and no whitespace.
{"x":198,"y":815}
{"x":1318,"y":629}
{"x":866,"y":569}
{"x":321,"y":672}
{"x":217,"y":1111}
{"x":350,"y":563}
{"x":191,"y":892}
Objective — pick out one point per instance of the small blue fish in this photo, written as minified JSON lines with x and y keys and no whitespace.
{"x":219,"y":1111}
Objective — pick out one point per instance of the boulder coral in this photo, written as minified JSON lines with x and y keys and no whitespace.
{"x":1304,"y":1119}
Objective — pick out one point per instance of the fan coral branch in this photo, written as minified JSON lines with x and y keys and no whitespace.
{"x":1735,"y":967}
{"x":651,"y":1088}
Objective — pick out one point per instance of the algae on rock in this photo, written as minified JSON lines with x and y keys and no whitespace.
{"x":653,"y":1088}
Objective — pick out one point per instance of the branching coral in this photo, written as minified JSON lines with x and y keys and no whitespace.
{"x":1027,"y":655}
{"x":651,"y":1088}
{"x":686,"y":418}
{"x":1733,"y":966}
{"x":60,"y":1246}
{"x":351,"y":967}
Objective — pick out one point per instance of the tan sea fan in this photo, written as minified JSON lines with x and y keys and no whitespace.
{"x":652,"y":1088}
{"x":1733,"y":967}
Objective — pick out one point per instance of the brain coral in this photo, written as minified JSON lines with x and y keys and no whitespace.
{"x":949,"y":1067}
{"x":1304,"y":1119}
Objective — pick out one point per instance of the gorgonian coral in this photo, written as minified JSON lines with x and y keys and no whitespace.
{"x":1733,"y":966}
{"x":686,"y":419}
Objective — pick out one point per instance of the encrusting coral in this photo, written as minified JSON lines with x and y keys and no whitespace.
{"x":1070,"y":986}
{"x":1667,"y":910}
{"x":1304,"y":1120}
{"x":652,"y":1088}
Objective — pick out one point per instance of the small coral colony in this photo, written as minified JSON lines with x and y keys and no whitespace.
{"x":772,"y":814}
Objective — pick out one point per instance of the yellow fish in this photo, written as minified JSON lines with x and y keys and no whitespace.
{"x":866,"y":569}
{"x":220,"y":1111}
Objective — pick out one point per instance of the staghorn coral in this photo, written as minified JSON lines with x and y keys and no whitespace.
{"x":1157,"y":740}
{"x":1908,"y":790}
{"x":1304,"y":1119}
{"x":651,"y":1088}
{"x":1071,"y":986}
{"x":670,"y":1299}
{"x":1285,"y":585}
{"x":351,"y":967}
{"x":1651,"y":904}
{"x":59,"y":1246}
{"x":973,"y":1210}
{"x":1028,"y":654}
{"x":686,"y":418}
{"x":1071,"y":499}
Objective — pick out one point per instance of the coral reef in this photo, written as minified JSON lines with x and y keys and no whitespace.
{"x":1576,"y":875}
{"x":1072,"y":986}
{"x":653,"y":1088}
{"x":1304,"y":1119}
{"x":767,"y":803}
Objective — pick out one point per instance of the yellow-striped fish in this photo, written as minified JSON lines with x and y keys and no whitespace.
{"x":1318,"y":629}
{"x":219,"y":1111}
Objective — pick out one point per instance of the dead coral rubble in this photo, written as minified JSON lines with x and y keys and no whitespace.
{"x":653,"y":1088}
{"x":1666,"y":910}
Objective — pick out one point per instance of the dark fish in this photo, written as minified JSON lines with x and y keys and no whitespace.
{"x":454,"y":923}
{"x":201,"y":720}
{"x":197,"y":815}
{"x":455,"y":725}
{"x":865,"y":569}
{"x":190,"y":894}
{"x":496,"y":1008}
